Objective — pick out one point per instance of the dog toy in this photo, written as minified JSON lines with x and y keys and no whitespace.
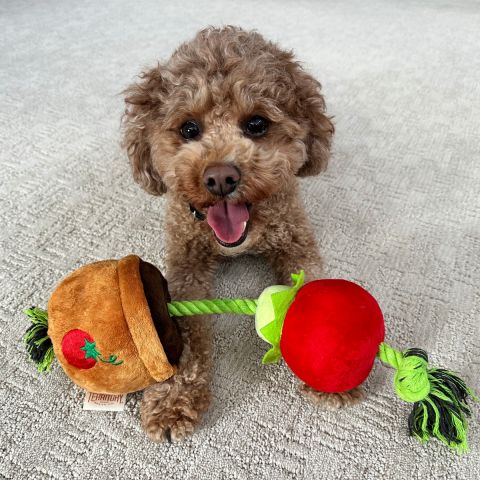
{"x":108,"y":326}
{"x":111,"y":325}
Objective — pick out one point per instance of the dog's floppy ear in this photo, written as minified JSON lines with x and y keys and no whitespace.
{"x":320,"y":129}
{"x":141,"y":100}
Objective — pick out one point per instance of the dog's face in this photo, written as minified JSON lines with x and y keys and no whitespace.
{"x":225,"y":124}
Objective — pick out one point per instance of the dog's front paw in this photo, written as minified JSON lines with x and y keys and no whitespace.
{"x":172,"y":425}
{"x":332,"y":401}
{"x":170,"y":411}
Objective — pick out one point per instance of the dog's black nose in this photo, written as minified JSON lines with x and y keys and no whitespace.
{"x":221,"y":179}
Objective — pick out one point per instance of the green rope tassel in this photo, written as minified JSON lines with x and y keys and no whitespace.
{"x":439,"y":397}
{"x":38,"y":343}
{"x":186,"y":308}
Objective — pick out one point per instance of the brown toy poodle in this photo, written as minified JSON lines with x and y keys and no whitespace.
{"x":224,"y":128}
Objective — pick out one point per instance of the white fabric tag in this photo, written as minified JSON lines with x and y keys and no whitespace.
{"x":104,"y":401}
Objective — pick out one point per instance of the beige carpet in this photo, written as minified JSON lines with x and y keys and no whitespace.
{"x":398,"y":211}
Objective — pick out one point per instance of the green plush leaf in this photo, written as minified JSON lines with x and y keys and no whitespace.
{"x":272,"y":356}
{"x":281,"y":302}
{"x":271,"y":332}
{"x":298,"y":280}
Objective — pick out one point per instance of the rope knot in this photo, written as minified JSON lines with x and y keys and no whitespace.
{"x":412,"y":383}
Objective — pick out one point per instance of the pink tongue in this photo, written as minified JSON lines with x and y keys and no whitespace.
{"x":227,"y":220}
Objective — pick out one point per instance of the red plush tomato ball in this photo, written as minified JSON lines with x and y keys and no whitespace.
{"x":73,"y":348}
{"x":331,"y":335}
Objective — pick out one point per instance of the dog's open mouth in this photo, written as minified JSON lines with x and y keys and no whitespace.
{"x":229,"y":222}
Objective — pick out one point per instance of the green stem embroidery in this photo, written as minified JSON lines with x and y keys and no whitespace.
{"x":111,"y":359}
{"x":91,"y":351}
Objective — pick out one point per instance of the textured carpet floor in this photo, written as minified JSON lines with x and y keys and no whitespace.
{"x":397,"y":211}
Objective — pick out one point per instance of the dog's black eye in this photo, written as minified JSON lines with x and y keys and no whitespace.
{"x":256,"y":126}
{"x":190,"y":130}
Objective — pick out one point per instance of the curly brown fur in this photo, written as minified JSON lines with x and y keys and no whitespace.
{"x":220,"y":79}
